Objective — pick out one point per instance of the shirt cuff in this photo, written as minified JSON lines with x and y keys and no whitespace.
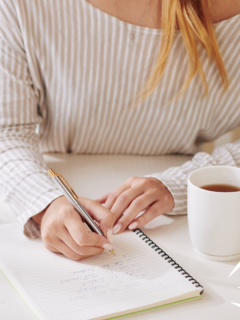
{"x":30,"y":228}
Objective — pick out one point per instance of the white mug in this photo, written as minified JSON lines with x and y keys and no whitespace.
{"x":214,"y":217}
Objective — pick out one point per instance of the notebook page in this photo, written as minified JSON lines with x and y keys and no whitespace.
{"x":136,"y":277}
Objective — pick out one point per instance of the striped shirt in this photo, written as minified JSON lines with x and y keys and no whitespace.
{"x":73,"y":72}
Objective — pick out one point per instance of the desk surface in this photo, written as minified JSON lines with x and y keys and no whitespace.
{"x":92,"y":176}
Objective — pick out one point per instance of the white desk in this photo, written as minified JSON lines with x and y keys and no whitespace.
{"x":92,"y":176}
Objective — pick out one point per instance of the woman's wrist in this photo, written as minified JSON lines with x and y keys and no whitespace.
{"x":38,"y":217}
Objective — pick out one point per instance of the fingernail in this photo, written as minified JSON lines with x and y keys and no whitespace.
{"x":133,"y":225}
{"x":117,"y":228}
{"x":107,"y":246}
{"x":110,"y":235}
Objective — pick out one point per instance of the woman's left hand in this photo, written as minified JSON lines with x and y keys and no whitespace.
{"x":136,"y":195}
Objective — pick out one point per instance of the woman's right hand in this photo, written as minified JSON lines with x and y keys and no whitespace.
{"x":63,"y":230}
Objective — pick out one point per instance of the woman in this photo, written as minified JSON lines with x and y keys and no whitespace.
{"x":74,"y":69}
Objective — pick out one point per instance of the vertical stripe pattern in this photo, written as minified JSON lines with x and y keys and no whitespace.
{"x":73,"y":72}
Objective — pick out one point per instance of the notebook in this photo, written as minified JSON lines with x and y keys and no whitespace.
{"x":140,"y":277}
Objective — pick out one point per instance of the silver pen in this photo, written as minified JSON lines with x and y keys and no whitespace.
{"x":69,"y":193}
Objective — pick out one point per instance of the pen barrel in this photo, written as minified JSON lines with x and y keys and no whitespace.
{"x":88,"y":218}
{"x":77,"y":205}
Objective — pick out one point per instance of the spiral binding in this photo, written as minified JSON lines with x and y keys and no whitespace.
{"x":164,"y":255}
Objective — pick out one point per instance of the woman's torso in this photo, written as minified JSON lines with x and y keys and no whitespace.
{"x":88,"y":67}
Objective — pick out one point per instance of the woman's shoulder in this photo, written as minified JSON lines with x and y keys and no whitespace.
{"x":223,"y":10}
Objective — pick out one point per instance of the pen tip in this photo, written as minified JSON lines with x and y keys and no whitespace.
{"x":112,"y":252}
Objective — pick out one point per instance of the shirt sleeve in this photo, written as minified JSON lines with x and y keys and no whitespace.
{"x":175,"y":178}
{"x":25,"y":183}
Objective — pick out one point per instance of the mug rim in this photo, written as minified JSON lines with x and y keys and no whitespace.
{"x":213,"y":168}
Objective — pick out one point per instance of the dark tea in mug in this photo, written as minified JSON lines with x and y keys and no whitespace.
{"x":220,"y":188}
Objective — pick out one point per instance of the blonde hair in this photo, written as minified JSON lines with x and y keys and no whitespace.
{"x":194,"y":21}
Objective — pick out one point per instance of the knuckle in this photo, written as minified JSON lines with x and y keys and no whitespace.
{"x":138,"y":204}
{"x":141,"y":182}
{"x":65,"y":212}
{"x":168,"y":197}
{"x":82,"y":251}
{"x":91,"y":205}
{"x":169,"y":203}
{"x":155,"y":180}
{"x":47,"y":246}
{"x":110,"y":217}
{"x":131,"y":179}
{"x":95,"y":202}
{"x":112,"y":197}
{"x":82,"y":240}
{"x":123,"y":198}
{"x":156,"y":191}
{"x":51,"y":227}
{"x":75,"y":257}
{"x":145,"y":181}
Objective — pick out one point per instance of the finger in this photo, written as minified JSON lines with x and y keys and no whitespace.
{"x":139,"y":204}
{"x":56,"y":246}
{"x":87,"y":250}
{"x":115,"y":194}
{"x":80,"y":232}
{"x":101,"y":214}
{"x":124,"y":200}
{"x":69,"y":253}
{"x":103,"y":198}
{"x":151,"y":213}
{"x":52,"y":249}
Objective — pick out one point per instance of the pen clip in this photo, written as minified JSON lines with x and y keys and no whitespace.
{"x":68,"y":185}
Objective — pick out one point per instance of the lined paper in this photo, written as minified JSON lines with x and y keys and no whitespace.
{"x":104,"y":284}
